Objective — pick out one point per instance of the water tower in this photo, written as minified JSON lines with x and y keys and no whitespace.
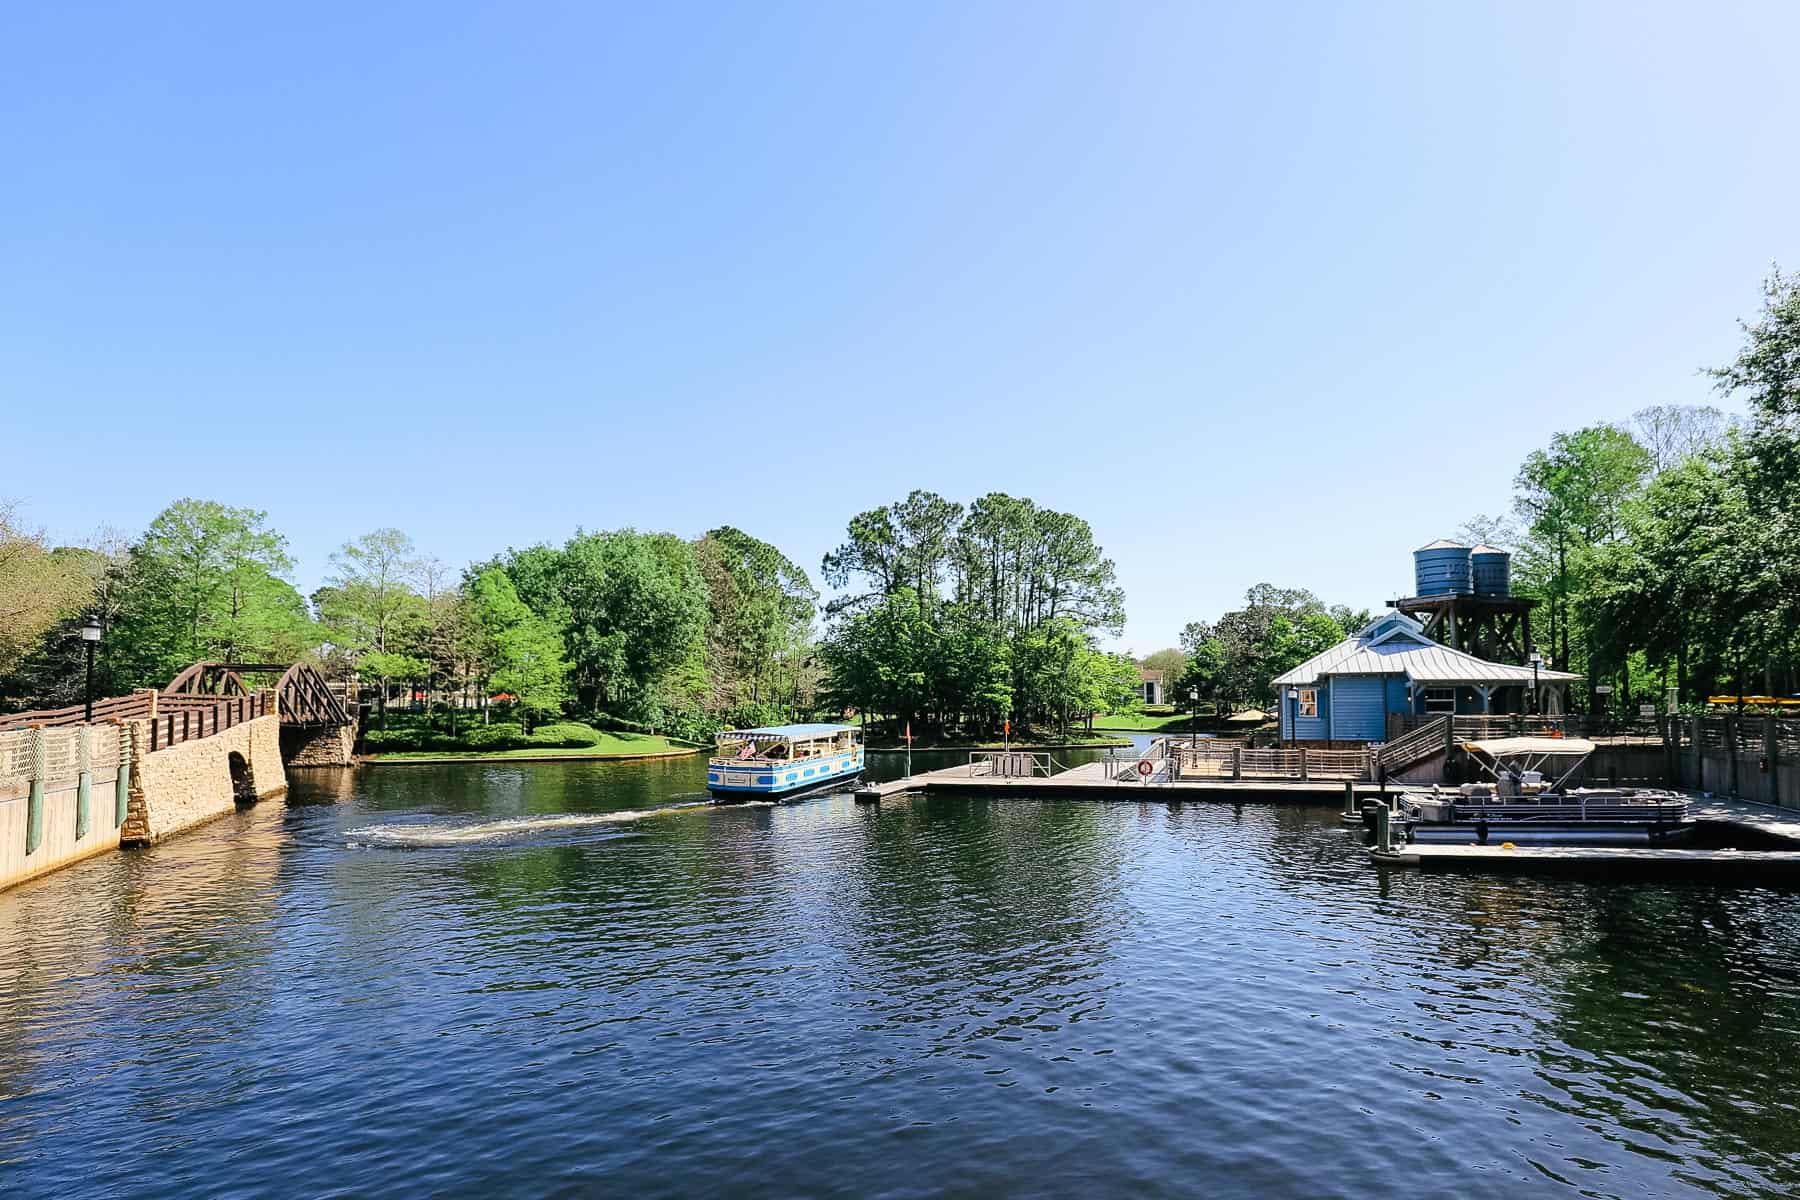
{"x":1463,"y":596}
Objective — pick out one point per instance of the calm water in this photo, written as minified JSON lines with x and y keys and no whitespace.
{"x":571,"y":979}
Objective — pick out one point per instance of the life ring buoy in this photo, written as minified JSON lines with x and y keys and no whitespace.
{"x":1146,"y":768}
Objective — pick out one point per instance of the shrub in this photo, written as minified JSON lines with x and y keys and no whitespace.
{"x":565,"y":735}
{"x":502,"y":735}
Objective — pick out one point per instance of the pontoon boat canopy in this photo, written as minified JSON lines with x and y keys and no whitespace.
{"x":1512,"y":747}
{"x":784,"y":733}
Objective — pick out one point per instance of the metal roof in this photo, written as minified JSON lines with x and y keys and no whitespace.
{"x":785,"y":732}
{"x":1444,"y":544}
{"x":1388,"y":647}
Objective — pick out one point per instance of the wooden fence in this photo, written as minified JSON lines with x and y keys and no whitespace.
{"x":1756,"y":758}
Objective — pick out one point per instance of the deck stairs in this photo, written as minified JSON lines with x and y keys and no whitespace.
{"x":1427,"y":741}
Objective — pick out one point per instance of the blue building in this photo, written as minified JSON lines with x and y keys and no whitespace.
{"x":1391,"y":667}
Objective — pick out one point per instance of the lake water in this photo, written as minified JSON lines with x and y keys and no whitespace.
{"x":566,"y":979}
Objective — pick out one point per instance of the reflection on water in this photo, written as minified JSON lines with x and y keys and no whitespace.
{"x":518,"y":980}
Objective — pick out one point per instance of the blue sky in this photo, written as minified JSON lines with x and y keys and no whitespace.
{"x":1264,"y":295}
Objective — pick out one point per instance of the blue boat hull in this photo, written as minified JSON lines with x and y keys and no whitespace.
{"x":729,"y":780}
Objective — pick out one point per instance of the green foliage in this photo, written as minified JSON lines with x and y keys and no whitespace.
{"x":1572,"y":498}
{"x":632,"y":612}
{"x":501,"y":735}
{"x":759,"y":630}
{"x":205,"y":583}
{"x":973,"y":615}
{"x":1233,"y":660}
{"x":39,"y":588}
{"x":1677,"y":561}
{"x":521,"y":651}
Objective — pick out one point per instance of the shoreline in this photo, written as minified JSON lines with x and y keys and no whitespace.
{"x":504,"y":756}
{"x":1096,"y":744}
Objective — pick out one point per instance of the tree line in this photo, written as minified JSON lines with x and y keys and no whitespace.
{"x":642,"y":629}
{"x":962,"y":619}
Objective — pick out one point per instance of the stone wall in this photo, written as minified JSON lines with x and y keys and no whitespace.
{"x":331,"y":746}
{"x":189,"y":784}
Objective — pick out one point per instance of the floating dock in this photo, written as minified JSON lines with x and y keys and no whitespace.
{"x":1777,"y":829}
{"x":1094,"y":782}
{"x":1588,"y":862}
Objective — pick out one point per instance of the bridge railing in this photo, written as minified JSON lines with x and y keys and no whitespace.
{"x":189,"y":717}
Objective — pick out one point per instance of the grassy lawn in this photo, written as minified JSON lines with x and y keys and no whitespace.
{"x":610,"y":745}
{"x":1147,"y":723}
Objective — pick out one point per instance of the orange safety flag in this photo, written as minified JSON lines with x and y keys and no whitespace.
{"x":909,"y":732}
{"x":1008,"y":729}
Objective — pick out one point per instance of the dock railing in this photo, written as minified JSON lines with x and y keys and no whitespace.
{"x":1011,"y":764}
{"x":1217,"y":760}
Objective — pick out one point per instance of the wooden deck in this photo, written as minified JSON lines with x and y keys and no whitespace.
{"x":1089,"y":781}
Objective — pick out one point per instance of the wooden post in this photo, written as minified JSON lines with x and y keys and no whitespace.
{"x":1303,"y":763}
{"x":1349,"y":798}
{"x":1237,"y":762}
{"x":34,"y":810}
{"x":1731,"y":744}
{"x":122,"y":788}
{"x":84,"y":782}
{"x":1771,"y":752}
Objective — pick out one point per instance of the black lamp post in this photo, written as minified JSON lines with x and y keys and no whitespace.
{"x":1537,"y":660}
{"x":1194,"y":717}
{"x":90,"y":635}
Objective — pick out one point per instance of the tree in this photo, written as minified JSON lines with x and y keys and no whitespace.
{"x":632,"y":611}
{"x":1236,"y":658}
{"x":1672,"y":433}
{"x":38,"y":588}
{"x":1006,"y":596}
{"x":206,"y":583}
{"x":759,"y":627}
{"x":523,"y":652}
{"x":1173,"y":664}
{"x":1571,"y":497}
{"x":372,"y":609}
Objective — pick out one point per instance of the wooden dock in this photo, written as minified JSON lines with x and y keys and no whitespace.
{"x":1588,"y":862}
{"x":1091,"y":781}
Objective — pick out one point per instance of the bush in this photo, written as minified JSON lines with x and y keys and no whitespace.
{"x":377,"y":740}
{"x":502,"y":735}
{"x":565,"y":735}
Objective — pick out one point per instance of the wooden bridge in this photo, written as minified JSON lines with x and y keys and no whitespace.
{"x":318,"y":725}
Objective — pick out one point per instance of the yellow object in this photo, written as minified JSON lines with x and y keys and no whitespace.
{"x":1508,"y":846}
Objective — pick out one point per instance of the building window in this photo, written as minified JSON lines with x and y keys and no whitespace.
{"x":1440,"y":700}
{"x":1309,"y":702}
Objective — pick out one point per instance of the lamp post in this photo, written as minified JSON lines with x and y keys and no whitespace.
{"x":1537,"y":661}
{"x":90,"y":635}
{"x":1194,"y":717}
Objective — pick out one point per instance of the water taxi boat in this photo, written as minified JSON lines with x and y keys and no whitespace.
{"x":783,"y":761}
{"x":1524,"y":801}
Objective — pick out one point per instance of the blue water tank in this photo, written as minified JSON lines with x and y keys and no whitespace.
{"x":1442,"y":569}
{"x":1491,"y":569}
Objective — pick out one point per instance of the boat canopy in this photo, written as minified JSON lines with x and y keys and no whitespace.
{"x":783,"y":733}
{"x":1536,"y":747}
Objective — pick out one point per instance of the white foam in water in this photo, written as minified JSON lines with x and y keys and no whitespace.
{"x":426,"y":835}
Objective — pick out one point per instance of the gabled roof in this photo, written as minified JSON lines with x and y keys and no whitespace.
{"x":1396,"y":644}
{"x":1146,"y":675}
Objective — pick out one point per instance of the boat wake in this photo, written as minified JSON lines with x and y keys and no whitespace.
{"x":425,"y":835}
